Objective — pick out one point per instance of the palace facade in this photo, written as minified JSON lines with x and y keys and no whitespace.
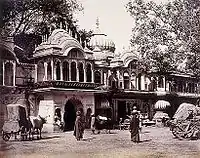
{"x":62,"y":76}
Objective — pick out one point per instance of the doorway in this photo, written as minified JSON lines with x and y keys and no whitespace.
{"x":71,"y":107}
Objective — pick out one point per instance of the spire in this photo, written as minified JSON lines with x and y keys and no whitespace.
{"x":97,"y":23}
{"x":97,"y":30}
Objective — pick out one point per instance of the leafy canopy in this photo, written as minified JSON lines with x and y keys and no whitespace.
{"x":166,"y":34}
{"x":35,"y":16}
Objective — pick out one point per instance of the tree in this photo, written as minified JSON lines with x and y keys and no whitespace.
{"x":166,"y":34}
{"x":36,"y":16}
{"x":85,"y":36}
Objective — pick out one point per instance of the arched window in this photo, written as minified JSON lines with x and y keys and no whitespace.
{"x":49,"y":71}
{"x":160,"y":82}
{"x":133,"y":65}
{"x":81,"y":72}
{"x":40,"y":72}
{"x":97,"y":77}
{"x":65,"y":71}
{"x":1,"y":72}
{"x":126,"y":80}
{"x":73,"y":71}
{"x":8,"y":74}
{"x":89,"y":73}
{"x":58,"y":70}
{"x":113,"y":81}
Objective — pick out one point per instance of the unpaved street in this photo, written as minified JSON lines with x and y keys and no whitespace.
{"x":155,"y":143}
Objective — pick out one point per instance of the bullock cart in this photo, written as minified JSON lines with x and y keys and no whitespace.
{"x":186,"y":123}
{"x":16,"y":123}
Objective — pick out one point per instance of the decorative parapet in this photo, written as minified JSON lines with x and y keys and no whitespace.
{"x":65,"y":84}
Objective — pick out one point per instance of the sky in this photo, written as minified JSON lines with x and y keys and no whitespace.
{"x":114,"y":20}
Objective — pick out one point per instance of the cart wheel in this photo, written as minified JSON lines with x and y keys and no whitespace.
{"x":6,"y":136}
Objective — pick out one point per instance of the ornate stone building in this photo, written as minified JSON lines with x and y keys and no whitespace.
{"x":62,"y":77}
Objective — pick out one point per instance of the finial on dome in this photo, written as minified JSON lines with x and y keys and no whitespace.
{"x":97,"y":22}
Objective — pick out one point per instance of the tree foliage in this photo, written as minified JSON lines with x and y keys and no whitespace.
{"x":85,"y":36}
{"x":166,"y":34}
{"x":35,"y":16}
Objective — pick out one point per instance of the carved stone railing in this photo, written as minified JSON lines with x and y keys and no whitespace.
{"x":65,"y":84}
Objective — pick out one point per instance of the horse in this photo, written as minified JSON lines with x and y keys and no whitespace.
{"x":37,"y":125}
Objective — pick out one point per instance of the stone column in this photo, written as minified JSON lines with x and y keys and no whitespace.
{"x":92,"y":75}
{"x":3,"y":73}
{"x":77,"y":73}
{"x":101,"y":71}
{"x":52,"y":70}
{"x":104,"y":78}
{"x":84,"y":70}
{"x":45,"y":71}
{"x":70,"y":78}
{"x":14,"y":73}
{"x":142,"y":82}
{"x":129,"y":80}
{"x":54,"y":74}
{"x":122,"y":80}
{"x":137,"y":83}
{"x":156,"y":83}
{"x":36,"y":73}
{"x":61,"y":71}
{"x":118,"y":78}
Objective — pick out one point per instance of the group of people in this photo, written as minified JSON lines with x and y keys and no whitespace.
{"x":80,"y":125}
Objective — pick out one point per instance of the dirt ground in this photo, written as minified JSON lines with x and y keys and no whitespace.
{"x":155,"y":143}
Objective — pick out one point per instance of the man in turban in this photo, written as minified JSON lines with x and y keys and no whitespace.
{"x":134,"y":126}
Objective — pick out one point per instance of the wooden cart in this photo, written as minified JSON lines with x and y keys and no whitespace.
{"x":16,"y":123}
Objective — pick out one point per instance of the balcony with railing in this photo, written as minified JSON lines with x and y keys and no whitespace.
{"x":65,"y":85}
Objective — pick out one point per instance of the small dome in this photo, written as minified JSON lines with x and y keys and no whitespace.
{"x":59,"y":43}
{"x":101,"y":40}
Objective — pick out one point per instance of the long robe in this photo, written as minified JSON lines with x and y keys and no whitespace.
{"x":134,"y":129}
{"x":79,"y":127}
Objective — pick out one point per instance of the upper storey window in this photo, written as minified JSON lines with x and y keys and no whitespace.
{"x":160,"y":82}
{"x":133,"y":65}
{"x":9,"y":74}
{"x":40,"y":72}
{"x":75,"y":53}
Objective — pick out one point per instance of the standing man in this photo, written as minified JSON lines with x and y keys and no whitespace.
{"x":79,"y":125}
{"x":134,"y":127}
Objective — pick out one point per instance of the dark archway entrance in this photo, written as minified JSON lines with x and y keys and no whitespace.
{"x":71,"y":107}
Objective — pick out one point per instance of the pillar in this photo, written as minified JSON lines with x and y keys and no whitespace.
{"x":129,"y":74}
{"x":101,"y":76}
{"x":70,"y":78}
{"x":156,"y":83}
{"x":3,"y":73}
{"x":14,"y":73}
{"x":105,"y":78}
{"x":45,"y":71}
{"x":52,"y":74}
{"x":84,"y":69}
{"x":142,"y":82}
{"x":137,"y":83}
{"x":92,"y":75}
{"x":122,"y":81}
{"x":36,"y":73}
{"x":118,"y":78}
{"x":61,"y":71}
{"x":77,"y":73}
{"x":164,"y":82}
